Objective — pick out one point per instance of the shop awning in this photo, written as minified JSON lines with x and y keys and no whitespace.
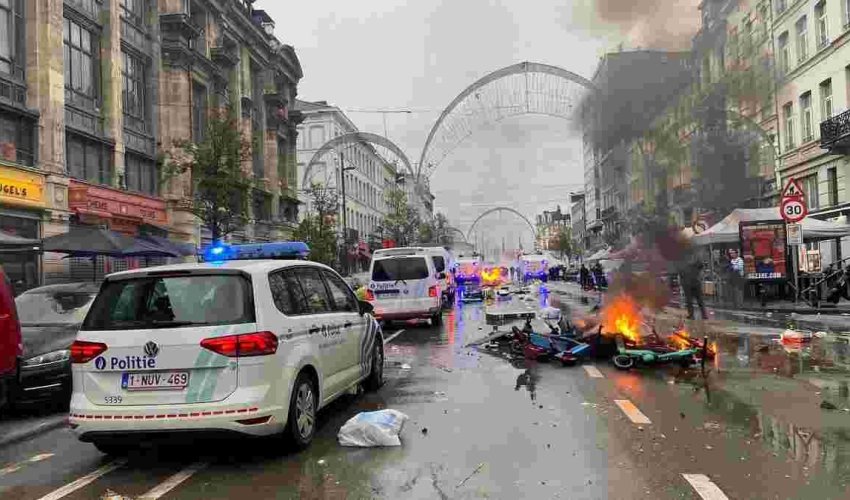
{"x":727,"y":230}
{"x":87,"y":241}
{"x":7,"y":239}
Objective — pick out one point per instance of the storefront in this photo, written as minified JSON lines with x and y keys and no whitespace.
{"x":122,"y":212}
{"x":21,"y":207}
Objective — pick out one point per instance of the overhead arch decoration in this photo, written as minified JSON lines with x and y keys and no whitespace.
{"x":519,"y":89}
{"x":355,"y":138}
{"x":501,"y":209}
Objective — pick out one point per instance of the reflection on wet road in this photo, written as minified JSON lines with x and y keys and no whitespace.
{"x":486,"y":426}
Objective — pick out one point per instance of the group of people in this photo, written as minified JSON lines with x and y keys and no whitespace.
{"x":592,"y":278}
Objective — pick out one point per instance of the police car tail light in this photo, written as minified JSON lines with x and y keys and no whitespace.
{"x":241,"y":346}
{"x":433,"y":291}
{"x":370,"y":295}
{"x":83,"y":352}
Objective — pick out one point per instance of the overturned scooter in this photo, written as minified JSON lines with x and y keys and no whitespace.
{"x":629,"y":357}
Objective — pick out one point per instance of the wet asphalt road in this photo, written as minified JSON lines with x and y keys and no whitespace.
{"x":481,"y":426}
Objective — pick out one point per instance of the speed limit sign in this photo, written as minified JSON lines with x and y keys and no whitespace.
{"x":794,"y":209}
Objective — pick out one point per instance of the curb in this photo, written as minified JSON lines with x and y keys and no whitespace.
{"x":41,"y":428}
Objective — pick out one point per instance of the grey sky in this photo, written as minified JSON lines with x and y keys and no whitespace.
{"x":420,"y":54}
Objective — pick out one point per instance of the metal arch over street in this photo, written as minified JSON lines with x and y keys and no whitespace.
{"x":355,"y":138}
{"x":523,"y":88}
{"x":453,"y":229}
{"x":501,"y":209}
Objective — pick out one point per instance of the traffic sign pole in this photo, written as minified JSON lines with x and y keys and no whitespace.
{"x":793,"y":209}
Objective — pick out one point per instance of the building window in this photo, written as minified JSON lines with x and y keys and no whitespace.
{"x":133,"y":11}
{"x":262,"y":206}
{"x":802,"y":39}
{"x":822,"y":26}
{"x":826,"y":99}
{"x":199,"y":112}
{"x":317,"y":137}
{"x":788,"y":116}
{"x":781,"y":5}
{"x":846,"y":13}
{"x":134,"y":95}
{"x":17,"y":142}
{"x":81,"y":64}
{"x":832,"y":185}
{"x":748,"y":37}
{"x":784,"y":53}
{"x":88,"y":160}
{"x":140,"y":174}
{"x":198,"y":17}
{"x":806,"y":117}
{"x":810,"y":191}
{"x":12,"y":38}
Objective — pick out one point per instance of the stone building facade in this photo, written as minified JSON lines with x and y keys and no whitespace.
{"x":93,"y":93}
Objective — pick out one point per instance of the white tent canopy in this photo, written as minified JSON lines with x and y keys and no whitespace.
{"x":727,"y":230}
{"x":600,"y":255}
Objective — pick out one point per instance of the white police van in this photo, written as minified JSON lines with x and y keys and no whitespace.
{"x":404,"y":284}
{"x":254,"y":342}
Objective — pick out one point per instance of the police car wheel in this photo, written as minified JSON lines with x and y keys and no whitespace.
{"x":437,"y":319}
{"x":376,"y":376}
{"x":301,"y":426}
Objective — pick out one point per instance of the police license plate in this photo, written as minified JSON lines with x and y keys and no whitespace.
{"x":154,"y":381}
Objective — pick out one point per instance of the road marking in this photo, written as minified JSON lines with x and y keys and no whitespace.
{"x":632,"y":411}
{"x":593,"y":371}
{"x":704,"y":487}
{"x":18,"y":466}
{"x":391,"y":337}
{"x":172,"y":482}
{"x":83,"y":481}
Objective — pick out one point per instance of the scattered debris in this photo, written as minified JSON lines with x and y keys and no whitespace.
{"x":405,"y":366}
{"x":682,"y":414}
{"x":321,"y":461}
{"x":826,"y":405}
{"x":709,"y":447}
{"x":111,"y":495}
{"x":424,"y":431}
{"x":376,"y":428}
{"x":711,"y":426}
{"x":476,"y":471}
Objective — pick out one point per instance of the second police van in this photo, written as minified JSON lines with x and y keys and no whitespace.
{"x":253,"y":343}
{"x":405,"y":284}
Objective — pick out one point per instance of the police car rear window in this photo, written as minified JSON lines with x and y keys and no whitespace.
{"x":439,"y":263}
{"x":172,"y":301}
{"x":400,"y":268}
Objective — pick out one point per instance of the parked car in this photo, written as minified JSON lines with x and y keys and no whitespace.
{"x":10,"y":340}
{"x":50,"y":317}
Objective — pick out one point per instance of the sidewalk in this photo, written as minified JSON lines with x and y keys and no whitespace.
{"x":837,"y":321}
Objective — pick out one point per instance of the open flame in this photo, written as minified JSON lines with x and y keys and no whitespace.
{"x":491,"y":276}
{"x":622,"y":315}
{"x":681,"y":339}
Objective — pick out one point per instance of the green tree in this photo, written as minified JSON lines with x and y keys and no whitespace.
{"x":563,"y":243}
{"x":402,"y":221}
{"x":318,"y":228}
{"x":220,"y":188}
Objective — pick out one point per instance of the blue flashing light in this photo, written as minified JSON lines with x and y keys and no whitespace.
{"x":284,"y":250}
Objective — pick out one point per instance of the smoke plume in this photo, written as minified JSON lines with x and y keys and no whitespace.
{"x":652,"y":24}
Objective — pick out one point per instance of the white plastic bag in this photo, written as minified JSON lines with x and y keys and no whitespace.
{"x":372,"y":428}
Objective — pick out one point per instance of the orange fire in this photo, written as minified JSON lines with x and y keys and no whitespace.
{"x":681,"y":339}
{"x":622,"y":315}
{"x":491,"y":276}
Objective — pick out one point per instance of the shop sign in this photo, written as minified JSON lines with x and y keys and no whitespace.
{"x":111,"y":203}
{"x":21,"y":187}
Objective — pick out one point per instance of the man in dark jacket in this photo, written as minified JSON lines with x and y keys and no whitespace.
{"x":690,"y":276}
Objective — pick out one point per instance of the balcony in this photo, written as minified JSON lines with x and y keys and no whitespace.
{"x":835,"y":134}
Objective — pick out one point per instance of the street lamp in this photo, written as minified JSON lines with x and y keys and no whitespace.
{"x":342,"y":170}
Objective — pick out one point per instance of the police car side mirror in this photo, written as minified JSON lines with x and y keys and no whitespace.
{"x":441,"y":276}
{"x":365,"y":307}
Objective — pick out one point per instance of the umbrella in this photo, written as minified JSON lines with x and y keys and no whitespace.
{"x":87,"y":241}
{"x":180,"y":249}
{"x":727,"y":230}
